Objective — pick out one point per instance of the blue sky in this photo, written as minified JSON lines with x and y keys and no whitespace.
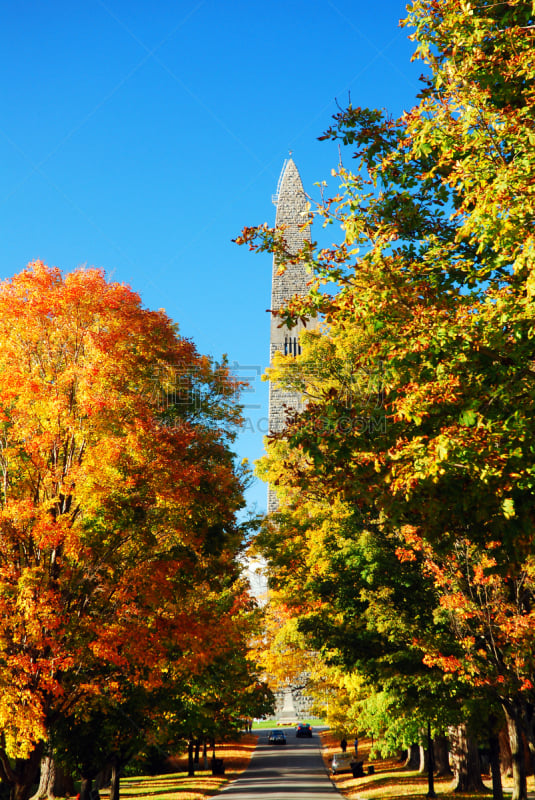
{"x":140,"y":137}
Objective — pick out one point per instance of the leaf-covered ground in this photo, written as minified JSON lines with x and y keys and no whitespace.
{"x":390,"y":781}
{"x":178,"y":786}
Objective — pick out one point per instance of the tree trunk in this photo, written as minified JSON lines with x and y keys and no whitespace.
{"x":204,"y":754}
{"x":430,"y":764}
{"x":85,"y":788}
{"x":191,"y":765}
{"x":54,"y":782}
{"x":102,"y":780}
{"x":114,"y":781}
{"x":422,"y":769}
{"x":413,"y":758}
{"x":441,"y":754}
{"x":197,"y":751}
{"x":506,"y":761}
{"x":520,"y":789}
{"x":529,"y":732}
{"x":22,"y":774}
{"x":465,"y":758}
{"x":494,"y":757}
{"x":47,"y":779}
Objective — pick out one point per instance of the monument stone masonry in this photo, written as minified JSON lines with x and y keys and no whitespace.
{"x":291,"y":204}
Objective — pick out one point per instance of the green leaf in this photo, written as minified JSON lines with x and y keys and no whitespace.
{"x":508,"y":508}
{"x":468,"y":418}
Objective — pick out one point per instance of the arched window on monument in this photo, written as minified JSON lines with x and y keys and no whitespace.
{"x":292,"y":346}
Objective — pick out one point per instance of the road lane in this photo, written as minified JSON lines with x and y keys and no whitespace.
{"x":294,"y":771}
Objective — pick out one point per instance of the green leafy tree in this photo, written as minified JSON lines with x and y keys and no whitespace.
{"x":421,"y":388}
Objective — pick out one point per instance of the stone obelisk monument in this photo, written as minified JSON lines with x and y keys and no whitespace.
{"x":291,"y":215}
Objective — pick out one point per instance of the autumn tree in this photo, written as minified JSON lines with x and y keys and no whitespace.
{"x":199,"y":703}
{"x":340,"y":592}
{"x":421,"y":390}
{"x":118,"y":534}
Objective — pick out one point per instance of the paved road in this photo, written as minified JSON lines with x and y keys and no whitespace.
{"x":294,"y":771}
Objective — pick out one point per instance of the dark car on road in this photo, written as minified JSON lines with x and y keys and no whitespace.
{"x":303,"y":729}
{"x":277,"y":737}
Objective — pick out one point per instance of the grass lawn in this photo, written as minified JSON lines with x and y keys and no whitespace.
{"x":275,"y":723}
{"x":178,"y":786}
{"x":390,"y":781}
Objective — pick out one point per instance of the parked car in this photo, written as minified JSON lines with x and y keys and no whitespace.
{"x":342,"y":763}
{"x":303,"y":729}
{"x":277,"y":737}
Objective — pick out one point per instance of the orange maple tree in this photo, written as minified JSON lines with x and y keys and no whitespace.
{"x":117,"y":503}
